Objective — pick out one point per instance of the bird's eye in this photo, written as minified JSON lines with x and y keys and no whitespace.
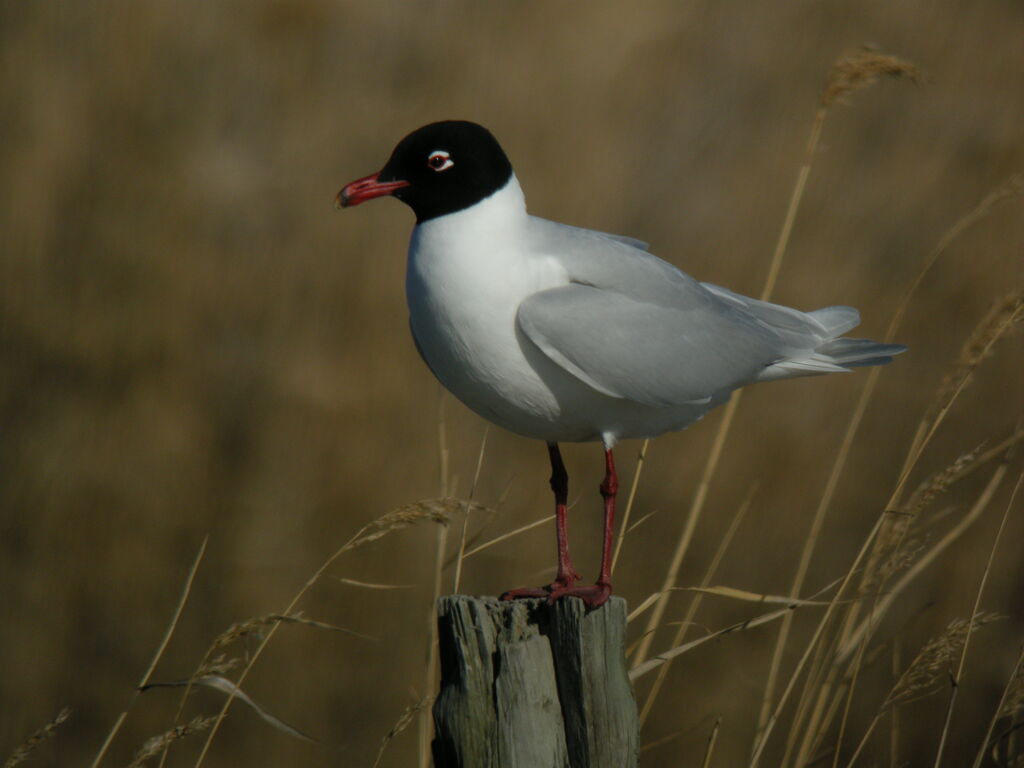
{"x":439,"y":160}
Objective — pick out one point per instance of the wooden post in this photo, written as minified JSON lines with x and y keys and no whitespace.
{"x":528,"y":685}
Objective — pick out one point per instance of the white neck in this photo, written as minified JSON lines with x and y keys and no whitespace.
{"x":498,"y":215}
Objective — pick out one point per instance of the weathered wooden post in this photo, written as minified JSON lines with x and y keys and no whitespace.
{"x":528,"y":685}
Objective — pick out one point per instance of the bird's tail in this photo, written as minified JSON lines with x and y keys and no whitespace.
{"x":834,"y":354}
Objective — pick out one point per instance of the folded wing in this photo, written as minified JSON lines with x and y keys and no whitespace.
{"x":649,"y":353}
{"x":633,"y":326}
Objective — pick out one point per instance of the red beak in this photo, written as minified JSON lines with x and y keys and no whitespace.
{"x":366,"y":188}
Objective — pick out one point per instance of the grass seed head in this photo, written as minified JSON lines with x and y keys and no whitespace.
{"x":157,"y":744}
{"x":935,"y":661}
{"x":22,"y":753}
{"x":1001,"y":318}
{"x":238,"y":630}
{"x":939,"y":483}
{"x":429,"y":510}
{"x":220,"y":665}
{"x":862,"y":70}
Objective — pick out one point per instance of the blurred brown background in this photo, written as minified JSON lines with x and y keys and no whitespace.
{"x":192,"y":341}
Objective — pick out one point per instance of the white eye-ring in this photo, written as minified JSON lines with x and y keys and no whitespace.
{"x":439,"y":160}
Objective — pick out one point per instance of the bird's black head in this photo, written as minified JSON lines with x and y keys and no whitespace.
{"x":438,"y":169}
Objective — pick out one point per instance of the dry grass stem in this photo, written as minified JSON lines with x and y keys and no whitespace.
{"x":1013,"y":700}
{"x":640,"y":521}
{"x":1000,"y":318}
{"x":222,"y":684}
{"x":407,"y":716}
{"x":894,"y":727}
{"x":259,"y":625}
{"x":957,"y":677}
{"x":846,"y":697}
{"x":435,"y":510}
{"x":423,"y":741}
{"x":711,"y":744}
{"x":696,"y":507}
{"x":927,"y":673}
{"x":642,"y":608}
{"x":716,"y":561}
{"x":1004,"y":192}
{"x":465,"y":518}
{"x":885,"y":601}
{"x":431,"y":673}
{"x":765,"y":733}
{"x":185,"y":592}
{"x":839,"y":654}
{"x":160,"y":744}
{"x":1008,"y":190}
{"x":896,"y":549}
{"x":666,"y":656}
{"x":24,"y":751}
{"x":625,"y":527}
{"x":370,"y":585}
{"x":658,"y":742}
{"x":505,"y":536}
{"x":841,"y":649}
{"x":993,"y":326}
{"x":1010,"y":702}
{"x":751,"y":597}
{"x":862,"y":70}
{"x":1004,"y":314}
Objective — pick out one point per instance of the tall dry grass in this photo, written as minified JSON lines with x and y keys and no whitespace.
{"x":194,"y":344}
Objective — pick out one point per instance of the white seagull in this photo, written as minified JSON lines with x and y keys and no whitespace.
{"x":567,"y":334}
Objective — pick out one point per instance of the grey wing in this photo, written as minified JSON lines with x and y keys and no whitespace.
{"x":652,"y":353}
{"x":571,"y":231}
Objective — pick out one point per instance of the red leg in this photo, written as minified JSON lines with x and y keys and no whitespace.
{"x":566,"y":575}
{"x":599,"y":593}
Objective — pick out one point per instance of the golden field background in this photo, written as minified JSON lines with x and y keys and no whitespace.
{"x":193,"y":342}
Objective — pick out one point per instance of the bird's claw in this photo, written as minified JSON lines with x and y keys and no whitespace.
{"x":594,"y":595}
{"x":562,"y":582}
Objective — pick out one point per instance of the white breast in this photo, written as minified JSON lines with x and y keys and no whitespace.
{"x":467,"y":274}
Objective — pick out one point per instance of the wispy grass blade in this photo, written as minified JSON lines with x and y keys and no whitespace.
{"x":712,"y":570}
{"x":465,"y":518}
{"x":222,"y":684}
{"x":185,"y":592}
{"x":884,"y":603}
{"x":625,"y":527}
{"x":709,"y":750}
{"x":372,"y":531}
{"x":1015,"y":679}
{"x":370,"y":585}
{"x":666,"y":656}
{"x":400,"y":725}
{"x":506,"y":536}
{"x":1002,"y":193}
{"x":975,"y":614}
